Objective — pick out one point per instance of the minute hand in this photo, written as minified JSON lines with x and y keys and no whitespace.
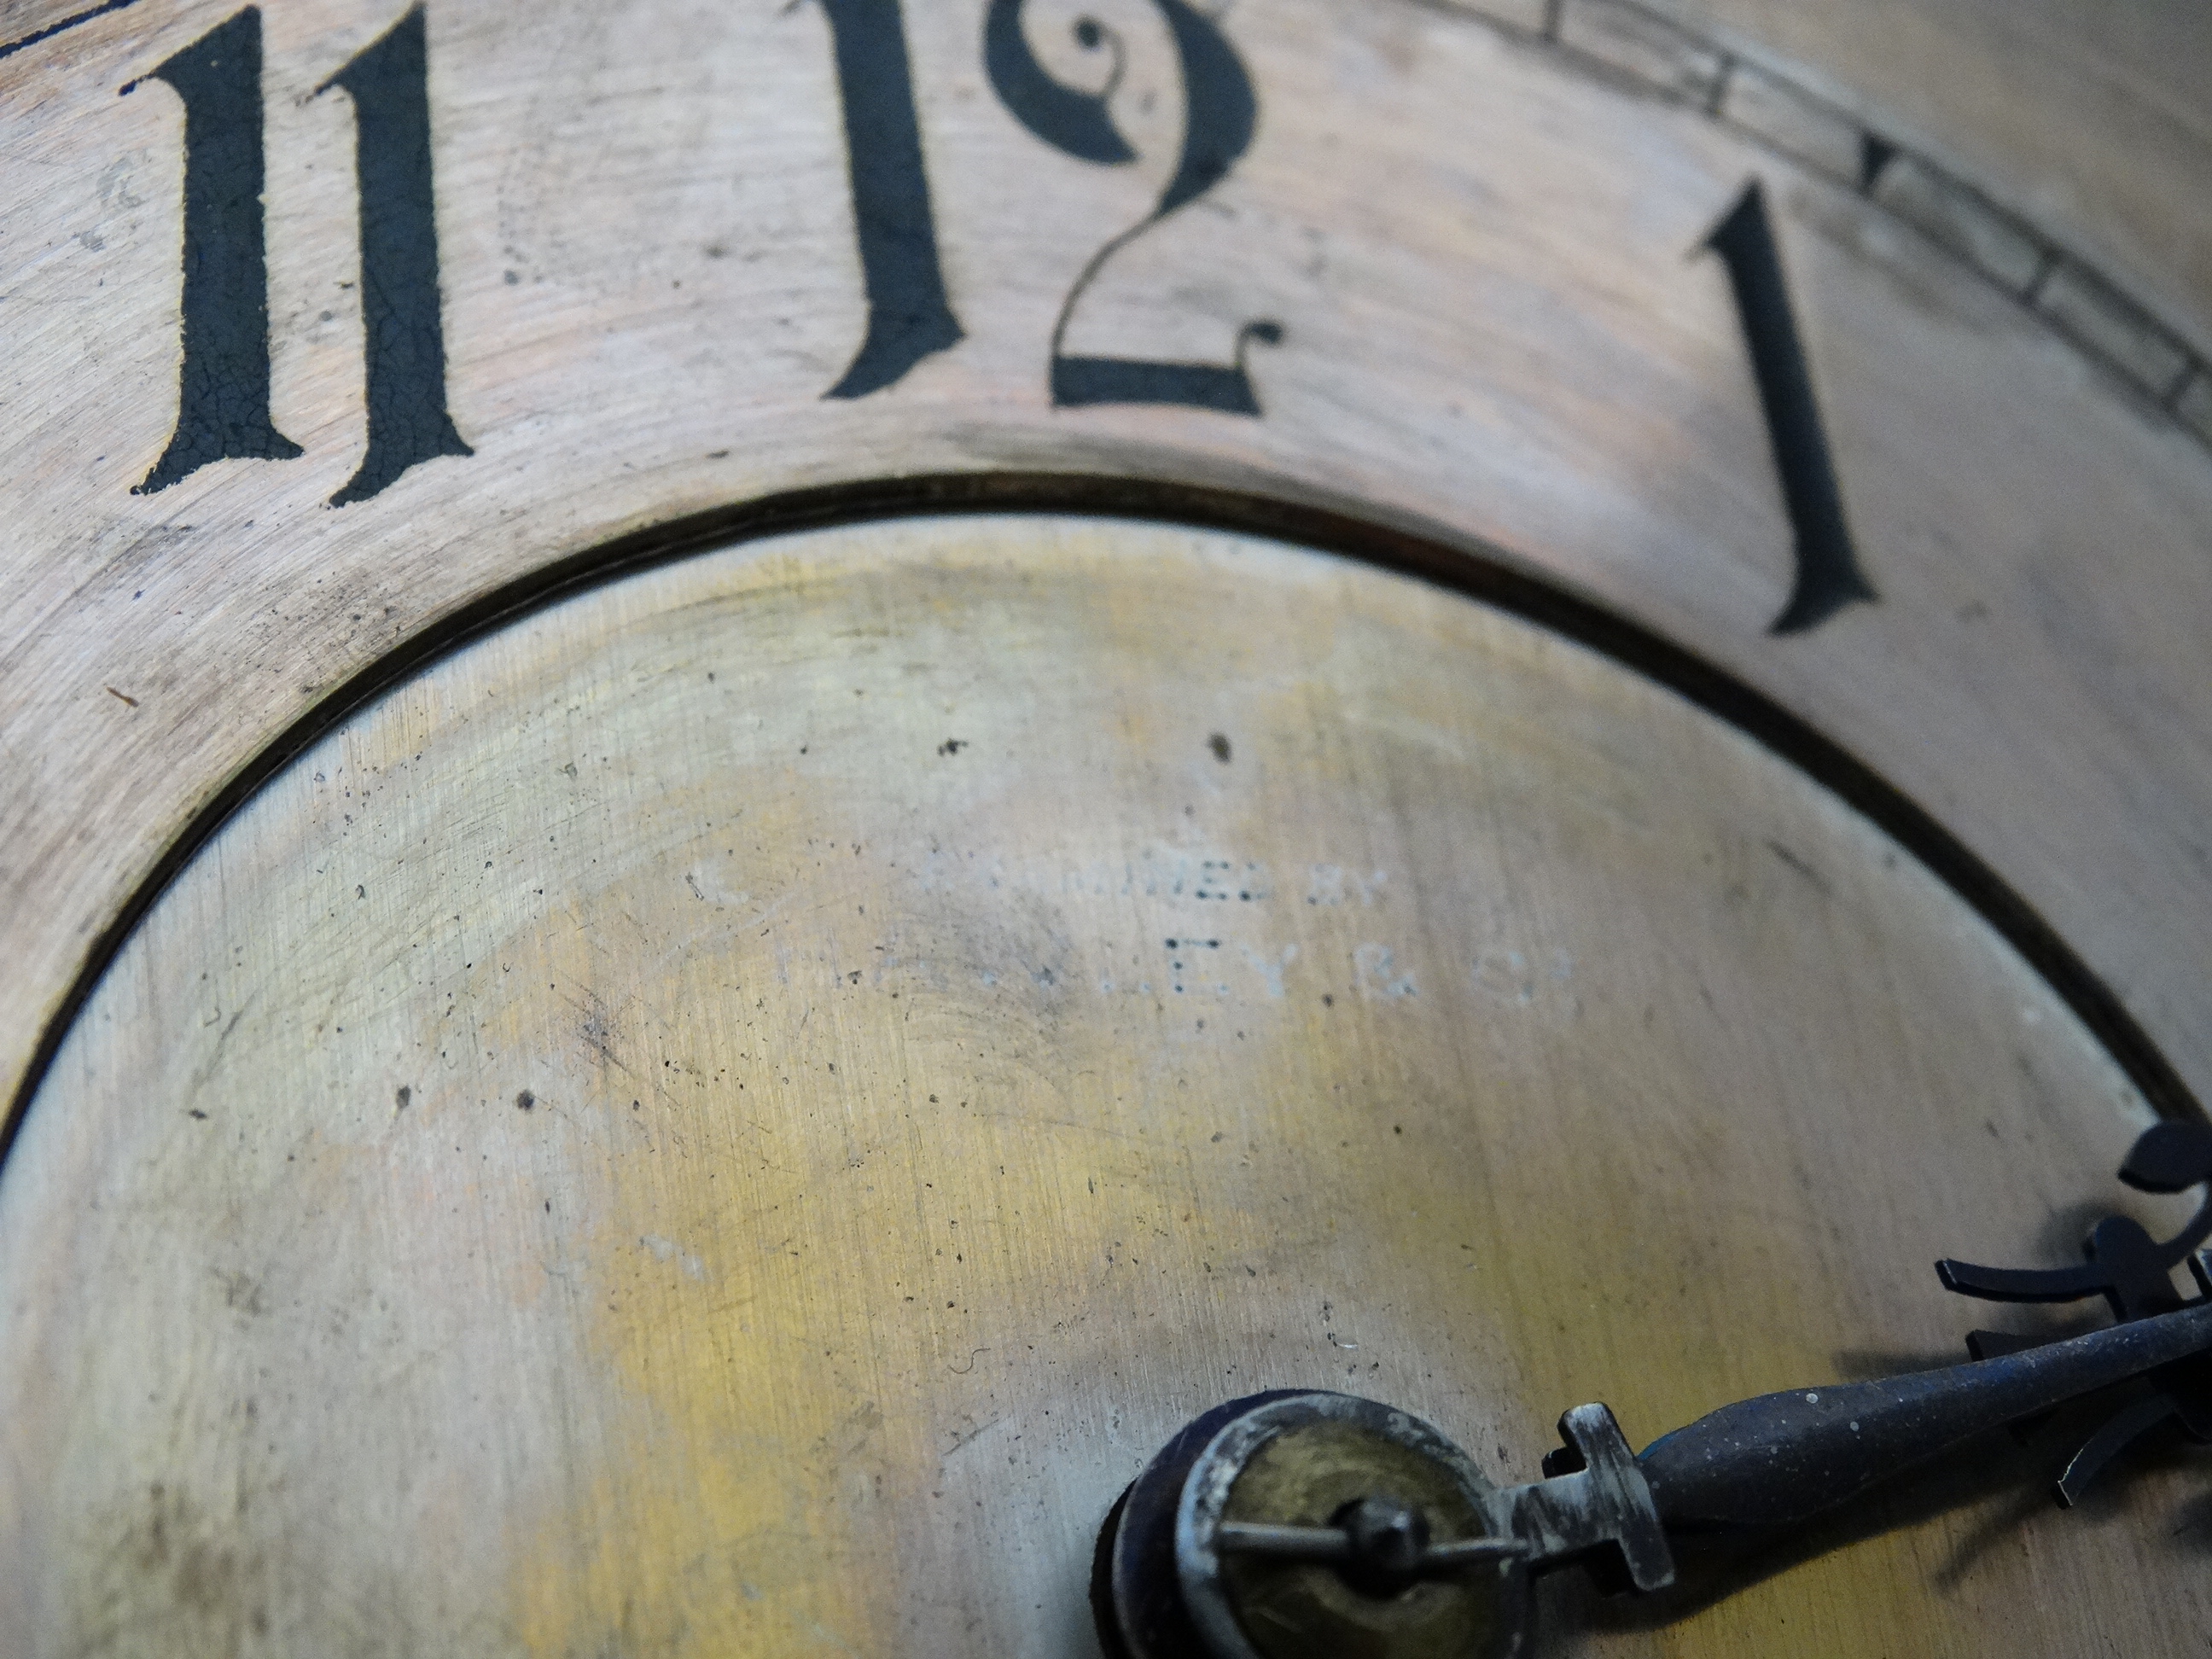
{"x":1784,"y":1458}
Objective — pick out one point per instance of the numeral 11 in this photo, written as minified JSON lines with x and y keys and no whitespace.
{"x":222,"y":380}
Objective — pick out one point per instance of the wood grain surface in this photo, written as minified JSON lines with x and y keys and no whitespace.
{"x":1497,"y":330}
{"x":734,"y":1113}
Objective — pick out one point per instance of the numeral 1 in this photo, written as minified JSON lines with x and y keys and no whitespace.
{"x":222,"y":383}
{"x":908,"y":315}
{"x":1828,"y":574}
{"x":403,"y":336}
{"x":222,"y":378}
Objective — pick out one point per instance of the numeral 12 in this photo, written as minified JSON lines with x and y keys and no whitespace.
{"x":222,"y":378}
{"x":909,"y":316}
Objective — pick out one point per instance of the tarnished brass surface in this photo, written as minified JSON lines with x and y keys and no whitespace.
{"x":732,"y":1115}
{"x":1293,"y":1610}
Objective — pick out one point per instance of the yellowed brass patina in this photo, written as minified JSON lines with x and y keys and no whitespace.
{"x":733,"y":1114}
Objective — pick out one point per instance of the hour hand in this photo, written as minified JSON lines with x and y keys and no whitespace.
{"x":2134,"y":1273}
{"x":1317,"y":1522}
{"x":1783,"y":1458}
{"x":1344,"y":1521}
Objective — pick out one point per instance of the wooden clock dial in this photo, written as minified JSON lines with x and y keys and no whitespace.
{"x":778,"y":771}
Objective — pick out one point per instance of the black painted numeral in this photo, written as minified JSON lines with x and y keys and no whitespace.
{"x":1828,"y":575}
{"x":222,"y":380}
{"x":222,"y":376}
{"x":908,"y":315}
{"x":403,"y":336}
{"x":1220,"y":113}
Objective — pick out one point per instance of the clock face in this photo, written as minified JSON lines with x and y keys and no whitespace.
{"x":798,"y":1069}
{"x":786,"y":770}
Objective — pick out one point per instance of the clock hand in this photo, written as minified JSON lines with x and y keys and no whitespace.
{"x":2124,"y":1264}
{"x":1783,"y":1458}
{"x":2133,"y":1272}
{"x":1775,"y":1460}
{"x":1228,"y":1527}
{"x":1229,"y":1522}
